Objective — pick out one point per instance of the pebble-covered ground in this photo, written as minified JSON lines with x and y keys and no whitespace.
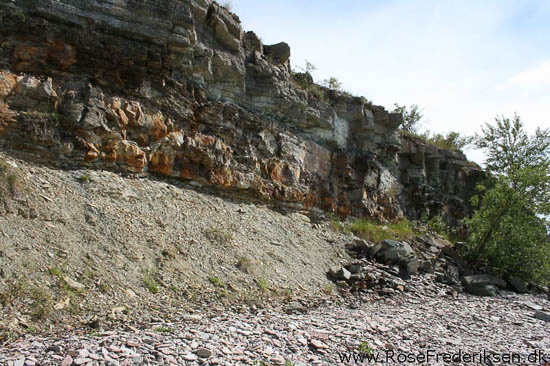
{"x":429,"y":320}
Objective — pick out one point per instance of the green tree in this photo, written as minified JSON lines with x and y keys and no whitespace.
{"x":332,"y":83}
{"x":411,"y":117}
{"x":509,"y":230}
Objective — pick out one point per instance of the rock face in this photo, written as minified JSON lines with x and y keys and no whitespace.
{"x":177,"y":89}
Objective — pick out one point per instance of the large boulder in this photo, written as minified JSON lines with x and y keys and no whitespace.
{"x":518,"y":285}
{"x":483,"y":279}
{"x":393,"y":252}
{"x":483,"y":285}
{"x":485,"y":290}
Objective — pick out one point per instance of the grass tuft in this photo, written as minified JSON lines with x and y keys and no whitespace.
{"x":365,"y":348}
{"x":375,"y":232}
{"x":262,"y":283}
{"x":216,"y":281}
{"x":165,"y":330}
{"x":150,"y":283}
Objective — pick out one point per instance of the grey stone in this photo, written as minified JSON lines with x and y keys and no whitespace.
{"x":542,"y":316}
{"x":343,"y":274}
{"x":204,"y":352}
{"x":482,"y":290}
{"x":412,"y":266}
{"x":426,"y":266}
{"x":73,"y":284}
{"x":533,"y":306}
{"x":518,"y":285}
{"x":372,"y":251}
{"x":353,"y":268}
{"x":450,"y":276}
{"x":482,"y":280}
{"x":394,"y":252}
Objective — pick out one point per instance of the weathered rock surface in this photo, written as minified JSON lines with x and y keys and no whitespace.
{"x":176,"y":89}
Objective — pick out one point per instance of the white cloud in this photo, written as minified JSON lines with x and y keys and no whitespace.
{"x":535,"y":79}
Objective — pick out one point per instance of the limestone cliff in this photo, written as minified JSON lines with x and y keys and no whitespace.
{"x":176,"y":88}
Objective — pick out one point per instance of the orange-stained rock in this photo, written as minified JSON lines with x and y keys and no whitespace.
{"x":160,"y":162}
{"x":115,"y":103}
{"x":159,"y":127}
{"x":208,"y":152}
{"x":188,"y":170}
{"x":64,"y":55}
{"x":295,"y":195}
{"x":328,"y":204}
{"x":132,"y":155}
{"x":311,"y":200}
{"x":8,"y":81}
{"x":222,"y":177}
{"x":24,"y":52}
{"x":275,"y":170}
{"x":117,"y":95}
{"x":29,"y":56}
{"x":167,"y":151}
{"x":142,"y":139}
{"x":7,"y":119}
{"x":91,"y":156}
{"x":133,"y":113}
{"x":282,"y":171}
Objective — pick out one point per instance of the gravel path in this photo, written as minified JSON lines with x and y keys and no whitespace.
{"x":428,"y":317}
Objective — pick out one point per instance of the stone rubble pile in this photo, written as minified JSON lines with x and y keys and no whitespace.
{"x":388,"y":267}
{"x":423,"y":318}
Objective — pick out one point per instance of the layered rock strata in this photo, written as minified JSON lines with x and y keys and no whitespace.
{"x":176,"y":88}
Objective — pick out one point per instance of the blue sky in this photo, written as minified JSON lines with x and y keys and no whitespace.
{"x":462,"y":62}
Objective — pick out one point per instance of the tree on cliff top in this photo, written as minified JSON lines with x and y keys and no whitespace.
{"x":411,"y":117}
{"x":509,"y":230}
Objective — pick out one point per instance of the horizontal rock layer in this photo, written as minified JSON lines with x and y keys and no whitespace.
{"x":176,"y":88}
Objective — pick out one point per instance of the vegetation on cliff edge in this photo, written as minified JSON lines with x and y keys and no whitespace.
{"x":509,"y":230}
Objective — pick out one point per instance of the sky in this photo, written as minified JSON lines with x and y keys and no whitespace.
{"x":462,"y":62}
